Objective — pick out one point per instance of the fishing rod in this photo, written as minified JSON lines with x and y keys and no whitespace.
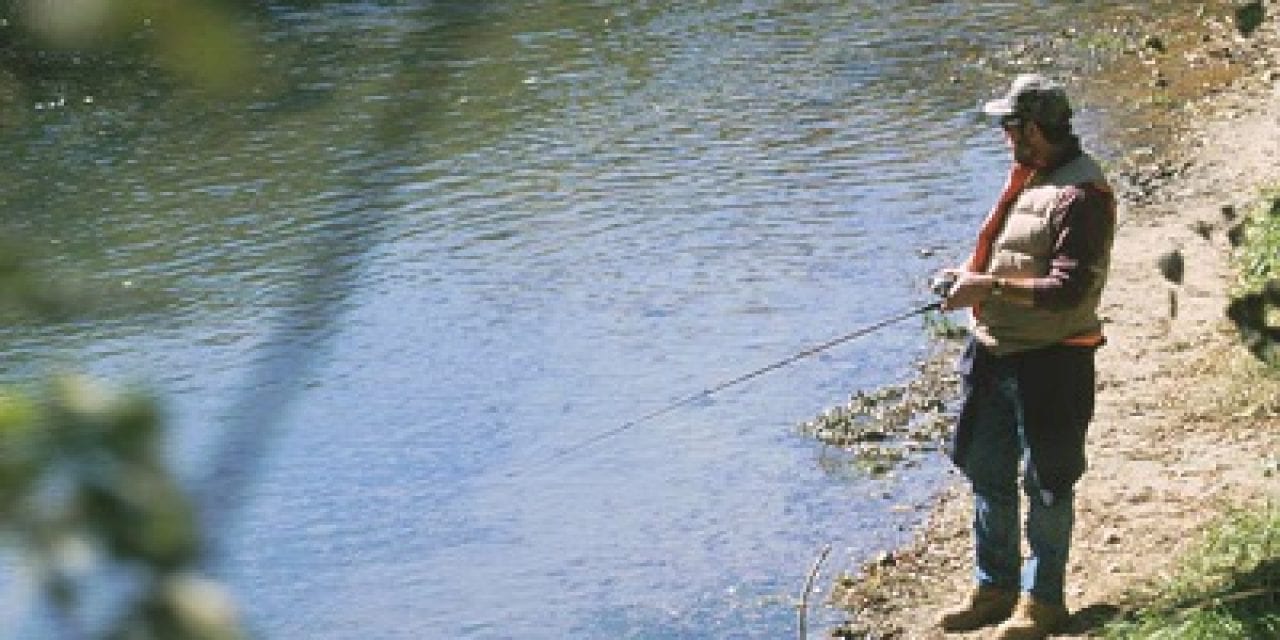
{"x":710,"y":391}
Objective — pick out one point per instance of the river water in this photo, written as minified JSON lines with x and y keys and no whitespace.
{"x":436,"y":245}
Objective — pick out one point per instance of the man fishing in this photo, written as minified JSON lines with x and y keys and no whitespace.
{"x":1033,"y":284}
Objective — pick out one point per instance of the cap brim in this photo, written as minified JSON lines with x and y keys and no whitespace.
{"x":1000,"y":107}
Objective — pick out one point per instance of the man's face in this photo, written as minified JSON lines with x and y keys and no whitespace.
{"x":1019,"y":134}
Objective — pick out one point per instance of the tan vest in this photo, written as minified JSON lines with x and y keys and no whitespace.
{"x":1022,"y":250}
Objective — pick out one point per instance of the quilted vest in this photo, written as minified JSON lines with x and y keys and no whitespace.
{"x":1023,"y":249}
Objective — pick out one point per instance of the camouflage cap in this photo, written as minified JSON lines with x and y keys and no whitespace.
{"x":1034,"y":97}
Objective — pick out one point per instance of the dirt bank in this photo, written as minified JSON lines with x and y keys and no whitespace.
{"x":1184,"y":428}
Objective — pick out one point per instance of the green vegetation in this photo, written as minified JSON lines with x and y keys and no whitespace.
{"x":1259,"y":258}
{"x":198,"y":41}
{"x":1255,"y":310}
{"x":84,"y":488}
{"x":85,"y":491}
{"x":1228,"y":589}
{"x":86,"y":494}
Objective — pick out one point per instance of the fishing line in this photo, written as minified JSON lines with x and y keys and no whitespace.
{"x":710,"y":391}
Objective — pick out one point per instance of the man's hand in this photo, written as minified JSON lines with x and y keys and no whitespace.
{"x":969,"y":289}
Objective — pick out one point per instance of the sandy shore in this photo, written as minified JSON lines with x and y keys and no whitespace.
{"x":1179,"y":436}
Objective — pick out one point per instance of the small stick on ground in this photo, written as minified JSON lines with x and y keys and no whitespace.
{"x":808,"y":588}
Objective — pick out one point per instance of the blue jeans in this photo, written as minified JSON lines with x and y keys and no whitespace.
{"x":991,"y":463}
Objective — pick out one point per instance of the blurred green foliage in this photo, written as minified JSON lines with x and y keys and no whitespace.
{"x":83,"y":482}
{"x":200,"y":41}
{"x":84,"y":486}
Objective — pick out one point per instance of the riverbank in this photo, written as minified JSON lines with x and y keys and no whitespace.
{"x":1187,"y":419}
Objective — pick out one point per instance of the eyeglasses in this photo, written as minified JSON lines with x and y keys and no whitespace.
{"x":1010,"y":123}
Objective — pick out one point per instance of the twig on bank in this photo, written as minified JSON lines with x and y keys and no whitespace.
{"x":808,"y":588}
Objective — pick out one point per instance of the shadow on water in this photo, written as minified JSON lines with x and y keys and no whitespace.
{"x":418,"y":43}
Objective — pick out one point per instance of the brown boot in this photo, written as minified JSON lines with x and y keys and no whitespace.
{"x":984,"y":606}
{"x":1033,"y":620}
